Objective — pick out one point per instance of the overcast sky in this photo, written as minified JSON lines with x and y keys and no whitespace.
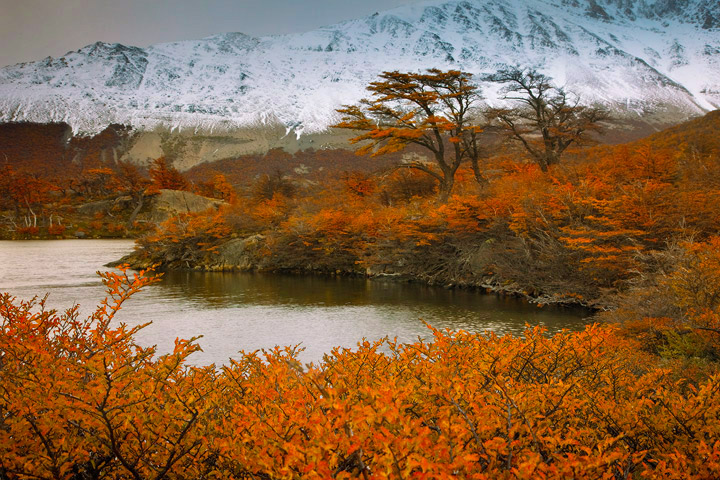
{"x":33,"y":29}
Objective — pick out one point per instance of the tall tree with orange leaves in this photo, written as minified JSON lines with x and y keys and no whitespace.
{"x":166,"y":176}
{"x":433,"y":110}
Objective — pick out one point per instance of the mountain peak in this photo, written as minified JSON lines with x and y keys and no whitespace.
{"x":641,"y":58}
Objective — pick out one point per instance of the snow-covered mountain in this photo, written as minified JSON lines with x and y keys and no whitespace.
{"x":648,"y":58}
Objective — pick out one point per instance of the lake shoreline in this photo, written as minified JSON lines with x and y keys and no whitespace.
{"x":248,"y":262}
{"x":233,"y":310}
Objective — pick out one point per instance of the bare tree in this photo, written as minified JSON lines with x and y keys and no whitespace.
{"x":545,"y":119}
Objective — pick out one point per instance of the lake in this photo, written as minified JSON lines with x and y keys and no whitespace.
{"x":251,"y":311}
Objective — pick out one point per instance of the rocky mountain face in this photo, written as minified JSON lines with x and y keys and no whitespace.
{"x":655,"y":61}
{"x":705,"y":13}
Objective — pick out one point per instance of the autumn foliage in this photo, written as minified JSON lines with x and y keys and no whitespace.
{"x":81,"y":399}
{"x":164,"y":176}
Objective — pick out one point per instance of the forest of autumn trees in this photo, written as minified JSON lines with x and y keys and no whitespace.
{"x":99,"y":199}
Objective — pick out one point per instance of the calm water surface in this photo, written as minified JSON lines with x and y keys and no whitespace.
{"x":245,"y":311}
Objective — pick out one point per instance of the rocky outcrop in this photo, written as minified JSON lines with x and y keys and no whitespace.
{"x":190,"y":148}
{"x":238,"y":254}
{"x":160,"y":207}
{"x":92,"y":208}
{"x":169,"y":203}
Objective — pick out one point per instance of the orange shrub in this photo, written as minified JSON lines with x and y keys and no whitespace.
{"x":56,"y":229}
{"x":28,"y":231}
{"x":186,"y":239}
{"x":81,"y":399}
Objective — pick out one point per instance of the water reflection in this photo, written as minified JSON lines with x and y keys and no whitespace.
{"x":226,"y":289}
{"x":250,"y":311}
{"x":245,"y":311}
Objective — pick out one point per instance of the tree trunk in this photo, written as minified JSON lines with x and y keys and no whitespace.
{"x":479,"y":178}
{"x":136,"y":211}
{"x":445,"y":188}
{"x":543,"y":163}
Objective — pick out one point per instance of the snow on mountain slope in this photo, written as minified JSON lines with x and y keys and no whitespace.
{"x":640,"y":57}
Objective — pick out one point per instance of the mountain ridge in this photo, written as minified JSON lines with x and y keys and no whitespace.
{"x":643,"y":59}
